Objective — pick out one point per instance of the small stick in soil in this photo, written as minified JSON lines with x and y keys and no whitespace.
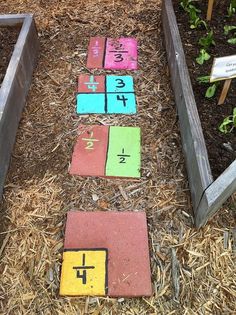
{"x":224,"y":91}
{"x":4,"y":244}
{"x":226,"y":239}
{"x":209,"y":9}
{"x":175,"y":274}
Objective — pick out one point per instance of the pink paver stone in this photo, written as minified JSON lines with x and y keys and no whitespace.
{"x":121,"y":54}
{"x":125,"y":236}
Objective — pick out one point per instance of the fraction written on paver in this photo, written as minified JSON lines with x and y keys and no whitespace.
{"x":84,"y":272}
{"x":106,"y":253}
{"x":107,"y":151}
{"x":109,"y":53}
{"x":105,"y":94}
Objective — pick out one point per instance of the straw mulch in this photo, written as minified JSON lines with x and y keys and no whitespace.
{"x":193,"y":272}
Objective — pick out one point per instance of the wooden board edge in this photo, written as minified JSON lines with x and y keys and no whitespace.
{"x":15,"y":91}
{"x":13,"y":19}
{"x":216,"y":194}
{"x":198,"y":167}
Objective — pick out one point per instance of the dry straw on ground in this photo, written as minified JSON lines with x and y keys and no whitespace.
{"x":193,"y":272}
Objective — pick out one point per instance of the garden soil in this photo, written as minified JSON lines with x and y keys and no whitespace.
{"x":221,"y":147}
{"x":8,"y":37}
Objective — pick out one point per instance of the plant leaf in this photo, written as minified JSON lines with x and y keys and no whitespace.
{"x":232,"y":8}
{"x":204,"y":79}
{"x":203,"y":56}
{"x":210,"y":92}
{"x":233,"y":3}
{"x":232,"y":40}
{"x":228,"y":28}
{"x":234,"y":116}
{"x":200,"y":60}
{"x":224,"y":127}
{"x":207,"y":41}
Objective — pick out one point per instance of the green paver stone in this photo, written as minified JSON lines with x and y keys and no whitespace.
{"x":123,"y":157}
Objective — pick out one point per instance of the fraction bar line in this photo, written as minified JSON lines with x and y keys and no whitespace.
{"x":123,"y":155}
{"x":84,"y":267}
{"x":118,"y":51}
{"x":105,"y":85}
{"x":108,"y":144}
{"x":104,"y":53}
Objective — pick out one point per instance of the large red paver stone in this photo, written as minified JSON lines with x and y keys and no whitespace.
{"x":125,"y":236}
{"x":89,"y":156}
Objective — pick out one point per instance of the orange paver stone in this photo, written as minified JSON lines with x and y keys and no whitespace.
{"x":124,"y":235}
{"x":89,"y":156}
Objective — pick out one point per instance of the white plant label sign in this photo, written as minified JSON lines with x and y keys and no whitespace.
{"x":223,"y":68}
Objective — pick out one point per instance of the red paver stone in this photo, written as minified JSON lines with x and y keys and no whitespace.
{"x":91,"y":84}
{"x":96,"y":51}
{"x":89,"y":156}
{"x":124,"y":234}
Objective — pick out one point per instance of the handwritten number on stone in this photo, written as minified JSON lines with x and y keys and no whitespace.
{"x":122,"y":98}
{"x":120,"y":83}
{"x":118,"y":58}
{"x":122,"y":159}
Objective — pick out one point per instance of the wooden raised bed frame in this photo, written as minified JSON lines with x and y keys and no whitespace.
{"x":15,"y":85}
{"x":207,"y":195}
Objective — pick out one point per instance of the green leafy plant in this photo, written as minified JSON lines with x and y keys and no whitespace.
{"x":204,"y":79}
{"x":232,"y":40}
{"x":185,"y":4}
{"x":232,"y":8}
{"x":210,"y":92}
{"x":228,"y":29}
{"x":202,"y":57}
{"x":229,"y":123}
{"x":195,"y":20}
{"x":207,"y":41}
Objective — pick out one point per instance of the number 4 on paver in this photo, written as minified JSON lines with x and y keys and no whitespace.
{"x":106,"y":253}
{"x":105,"y":95}
{"x":84,"y":272}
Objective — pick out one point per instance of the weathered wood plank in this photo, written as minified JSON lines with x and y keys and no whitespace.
{"x":198,"y":167}
{"x":14,"y":89}
{"x":216,"y":194}
{"x":207,"y":195}
{"x":13,"y":19}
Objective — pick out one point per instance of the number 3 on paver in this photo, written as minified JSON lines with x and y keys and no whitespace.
{"x":109,"y":53}
{"x":105,"y":95}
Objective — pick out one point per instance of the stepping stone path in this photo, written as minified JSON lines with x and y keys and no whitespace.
{"x":107,"y":151}
{"x":116,"y":54}
{"x":106,"y":253}
{"x":105,"y":95}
